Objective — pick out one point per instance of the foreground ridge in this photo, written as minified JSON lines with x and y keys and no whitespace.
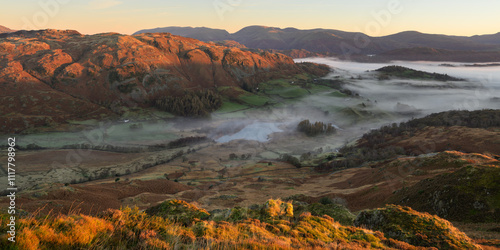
{"x":273,"y":225}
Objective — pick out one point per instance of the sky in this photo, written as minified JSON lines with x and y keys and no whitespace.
{"x":373,"y":17}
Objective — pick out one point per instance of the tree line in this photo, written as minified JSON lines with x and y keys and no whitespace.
{"x":199,"y":103}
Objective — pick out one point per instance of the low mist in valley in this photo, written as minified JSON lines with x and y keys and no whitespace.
{"x":479,"y":90}
{"x":357,"y":126}
{"x":380,"y":102}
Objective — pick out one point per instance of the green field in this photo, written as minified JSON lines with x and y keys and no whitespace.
{"x":119,"y":133}
{"x":145,"y":114}
{"x":255,"y":100}
{"x":316,"y":88}
{"x":228,"y":107}
{"x":289,"y":92}
{"x":337,"y":94}
{"x":292,"y":88}
{"x":150,"y":132}
{"x":231,"y":115}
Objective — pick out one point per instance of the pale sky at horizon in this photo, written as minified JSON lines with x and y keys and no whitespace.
{"x":459,"y":17}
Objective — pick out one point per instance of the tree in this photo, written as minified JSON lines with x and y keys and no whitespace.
{"x":315,"y":129}
{"x":233,"y":156}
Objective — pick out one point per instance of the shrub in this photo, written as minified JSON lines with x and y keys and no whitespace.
{"x":278,"y":208}
{"x":290,"y":159}
{"x":179,"y":211}
{"x":419,"y":229}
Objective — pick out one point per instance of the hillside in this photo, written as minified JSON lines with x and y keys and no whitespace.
{"x":4,"y":29}
{"x":273,"y":225}
{"x":487,"y":39}
{"x":470,"y":194}
{"x":467,"y":131}
{"x":45,"y":75}
{"x":414,"y":164}
{"x":436,"y":41}
{"x":346,"y":44}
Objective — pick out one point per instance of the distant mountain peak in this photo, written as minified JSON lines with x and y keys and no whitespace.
{"x":409,"y":32}
{"x":4,"y":29}
{"x":199,"y":33}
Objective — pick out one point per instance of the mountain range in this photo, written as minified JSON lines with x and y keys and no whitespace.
{"x":329,"y":41}
{"x":52,"y":71}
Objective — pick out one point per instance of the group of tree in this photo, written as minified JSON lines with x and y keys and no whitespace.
{"x":233,"y":156}
{"x":136,"y":126}
{"x":404,"y":72}
{"x":314,"y":129}
{"x":199,"y":103}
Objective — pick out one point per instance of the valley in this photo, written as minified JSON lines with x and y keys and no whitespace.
{"x":249,"y":125}
{"x":228,"y":138}
{"x":234,"y":157}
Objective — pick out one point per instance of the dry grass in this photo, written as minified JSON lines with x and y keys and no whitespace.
{"x":129,"y":228}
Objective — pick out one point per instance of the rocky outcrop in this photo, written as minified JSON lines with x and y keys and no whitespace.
{"x":51,"y":76}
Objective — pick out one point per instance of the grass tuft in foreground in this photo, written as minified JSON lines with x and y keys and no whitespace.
{"x":274,"y":225}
